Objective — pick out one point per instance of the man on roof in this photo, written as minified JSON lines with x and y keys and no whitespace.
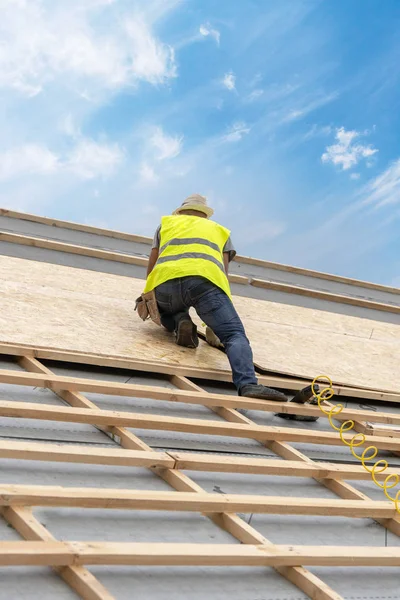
{"x":188,"y":266}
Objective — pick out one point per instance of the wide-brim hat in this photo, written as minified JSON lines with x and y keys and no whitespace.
{"x":195,"y":202}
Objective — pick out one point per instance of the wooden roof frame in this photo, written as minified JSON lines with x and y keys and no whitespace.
{"x":69,"y":558}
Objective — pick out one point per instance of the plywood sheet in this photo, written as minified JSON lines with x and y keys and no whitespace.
{"x":60,"y":307}
{"x":306,"y":342}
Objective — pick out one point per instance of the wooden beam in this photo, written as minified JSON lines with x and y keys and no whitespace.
{"x":84,"y":455}
{"x":262,"y":433}
{"x":37,"y":242}
{"x":168,"y":554}
{"x":21,"y":495}
{"x":317,"y":274}
{"x":59,"y":384}
{"x":328,"y":296}
{"x":13,"y":214}
{"x":279,"y":381}
{"x":77,"y":577}
{"x":264,"y":466}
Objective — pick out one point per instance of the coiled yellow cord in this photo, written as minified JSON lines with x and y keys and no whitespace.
{"x":392,"y":480}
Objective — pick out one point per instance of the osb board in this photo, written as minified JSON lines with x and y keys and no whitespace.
{"x":53,"y":306}
{"x":306,"y":342}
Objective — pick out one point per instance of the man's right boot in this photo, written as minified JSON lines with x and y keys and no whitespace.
{"x":186,"y":333}
{"x":304,"y":396}
{"x":262,"y":392}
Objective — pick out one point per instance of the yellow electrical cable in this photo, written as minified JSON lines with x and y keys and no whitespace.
{"x":357,"y":440}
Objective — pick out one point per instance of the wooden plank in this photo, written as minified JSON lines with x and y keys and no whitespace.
{"x":328,"y":296}
{"x":317,"y":274}
{"x":37,"y":242}
{"x":265,"y":466}
{"x":84,"y":454}
{"x":78,"y":578}
{"x":75,"y":226}
{"x":166,"y":554}
{"x":59,"y":384}
{"x":22,"y":495}
{"x":198,"y":426}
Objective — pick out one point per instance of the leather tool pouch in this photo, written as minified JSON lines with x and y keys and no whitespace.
{"x":146,"y":306}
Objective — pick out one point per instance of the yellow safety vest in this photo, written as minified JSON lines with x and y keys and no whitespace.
{"x":190,"y":246}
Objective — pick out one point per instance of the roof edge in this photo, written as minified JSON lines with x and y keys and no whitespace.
{"x":240,"y":259}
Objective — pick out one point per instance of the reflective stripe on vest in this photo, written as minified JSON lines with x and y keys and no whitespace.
{"x":190,"y":246}
{"x":184,"y":241}
{"x":164,"y":259}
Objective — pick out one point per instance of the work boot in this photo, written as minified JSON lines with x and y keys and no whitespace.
{"x":255,"y":390}
{"x":186,"y":333}
{"x":304,"y":396}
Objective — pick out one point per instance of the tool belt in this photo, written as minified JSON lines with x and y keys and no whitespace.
{"x":146,"y":306}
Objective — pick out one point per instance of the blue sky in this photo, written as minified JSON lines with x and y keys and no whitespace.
{"x":285,"y":114}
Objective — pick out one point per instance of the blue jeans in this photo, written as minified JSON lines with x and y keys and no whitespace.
{"x":214,"y":307}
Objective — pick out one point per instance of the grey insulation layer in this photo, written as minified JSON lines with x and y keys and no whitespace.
{"x":135,"y":248}
{"x":30,"y":583}
{"x":37,"y":429}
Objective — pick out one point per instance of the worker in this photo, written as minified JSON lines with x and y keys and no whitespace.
{"x":188,"y":267}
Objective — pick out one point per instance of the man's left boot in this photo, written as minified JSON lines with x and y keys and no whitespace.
{"x":186,"y":333}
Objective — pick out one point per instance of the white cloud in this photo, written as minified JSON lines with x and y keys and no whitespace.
{"x":86,"y":160}
{"x":260,"y":231}
{"x":207,"y":30}
{"x":346,"y":154}
{"x":147,"y":173}
{"x":68,"y":126}
{"x":26,"y":160}
{"x":236,"y":132}
{"x":384,"y":189}
{"x":152,"y":61}
{"x":90,"y":159}
{"x":317,"y":131}
{"x":317,"y":102}
{"x":355,"y":176}
{"x":254,"y":95}
{"x":44,"y":40}
{"x":166,"y":146}
{"x":229,"y":81}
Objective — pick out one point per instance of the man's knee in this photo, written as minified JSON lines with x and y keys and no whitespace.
{"x":230,"y":336}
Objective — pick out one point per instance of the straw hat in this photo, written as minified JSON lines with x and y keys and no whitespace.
{"x":195,"y":202}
